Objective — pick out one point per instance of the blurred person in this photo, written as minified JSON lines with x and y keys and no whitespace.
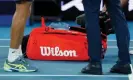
{"x":81,"y":21}
{"x":92,"y":9}
{"x":124,"y":5}
{"x":15,"y":61}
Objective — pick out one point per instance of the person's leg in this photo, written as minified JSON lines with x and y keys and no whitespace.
{"x":92,"y":9}
{"x":81,"y":21}
{"x":17,"y":30}
{"x":122,"y":35}
{"x":18,"y":25}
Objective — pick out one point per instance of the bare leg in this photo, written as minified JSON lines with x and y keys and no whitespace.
{"x":17,"y":29}
{"x":18,"y":24}
{"x":15,"y":62}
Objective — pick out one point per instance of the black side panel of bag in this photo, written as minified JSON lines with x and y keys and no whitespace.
{"x":24,"y":45}
{"x":105,"y":23}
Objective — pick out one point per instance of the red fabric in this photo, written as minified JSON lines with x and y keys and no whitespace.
{"x":62,"y":44}
{"x":48,"y":44}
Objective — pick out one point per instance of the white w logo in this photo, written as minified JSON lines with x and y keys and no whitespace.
{"x":74,"y":3}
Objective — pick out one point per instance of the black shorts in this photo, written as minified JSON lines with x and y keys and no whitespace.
{"x":21,"y":1}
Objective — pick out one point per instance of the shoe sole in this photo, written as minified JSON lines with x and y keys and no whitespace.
{"x":120,"y":72}
{"x":16,"y":70}
{"x":92,"y":72}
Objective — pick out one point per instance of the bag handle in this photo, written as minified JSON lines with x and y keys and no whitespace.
{"x":43,"y":24}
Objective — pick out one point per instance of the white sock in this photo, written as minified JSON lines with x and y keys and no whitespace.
{"x":131,"y":52}
{"x":13,"y":54}
{"x":20,"y":53}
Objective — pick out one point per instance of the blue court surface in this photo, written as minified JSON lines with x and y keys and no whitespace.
{"x":62,"y":70}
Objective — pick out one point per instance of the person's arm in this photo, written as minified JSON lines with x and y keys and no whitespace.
{"x":123,"y":4}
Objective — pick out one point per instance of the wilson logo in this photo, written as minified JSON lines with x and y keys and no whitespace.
{"x":55,"y":51}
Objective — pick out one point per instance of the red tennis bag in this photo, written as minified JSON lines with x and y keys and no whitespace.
{"x":46,"y":43}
